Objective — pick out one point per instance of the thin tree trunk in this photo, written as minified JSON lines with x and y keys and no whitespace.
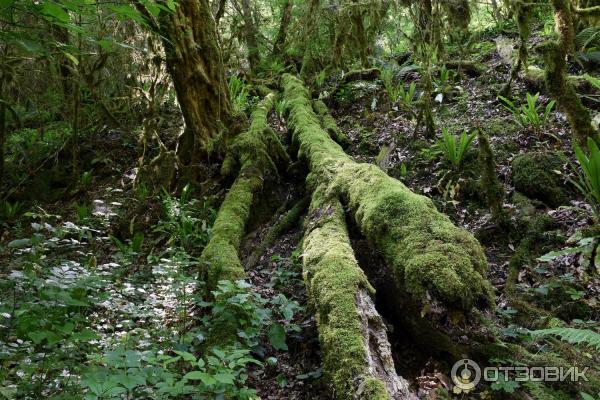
{"x":220,"y":11}
{"x":2,"y":138}
{"x":286,"y":18}
{"x":556,"y":73}
{"x":250,"y":36}
{"x":311,"y":28}
{"x":360,"y":34}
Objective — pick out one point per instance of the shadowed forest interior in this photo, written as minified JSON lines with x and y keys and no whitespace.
{"x":299,"y":199}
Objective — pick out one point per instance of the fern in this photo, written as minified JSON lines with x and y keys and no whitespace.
{"x":589,"y":181}
{"x":588,"y":38}
{"x":454,"y":148}
{"x":572,"y":335}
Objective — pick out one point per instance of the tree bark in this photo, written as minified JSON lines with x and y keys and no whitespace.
{"x":308,"y":60}
{"x":430,"y":257}
{"x":194,"y":61}
{"x":2,"y":138}
{"x":556,"y":73}
{"x":360,"y":34}
{"x":220,"y":11}
{"x":286,"y":18}
{"x":250,"y":36}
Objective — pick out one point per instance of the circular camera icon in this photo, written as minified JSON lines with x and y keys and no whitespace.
{"x":465,"y":374}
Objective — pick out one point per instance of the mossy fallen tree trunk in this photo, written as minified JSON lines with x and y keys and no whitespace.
{"x":256,"y":154}
{"x":356,"y":352}
{"x":430,"y":257}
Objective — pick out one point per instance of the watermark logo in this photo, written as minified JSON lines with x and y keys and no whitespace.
{"x":466,"y":374}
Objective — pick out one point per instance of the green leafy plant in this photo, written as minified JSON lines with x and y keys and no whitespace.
{"x":529,"y":114}
{"x":454,"y":148}
{"x":589,"y":181}
{"x":187,"y":224}
{"x":127,"y":251}
{"x":321,"y":77}
{"x":10,"y":211}
{"x":280,"y":105}
{"x":571,"y":335}
{"x":85,"y":180}
{"x":398,"y":94}
{"x":238,"y":93}
{"x":442,"y":84}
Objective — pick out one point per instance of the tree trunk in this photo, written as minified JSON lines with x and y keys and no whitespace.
{"x":523,"y":14}
{"x":250,"y":36}
{"x":308,"y":60}
{"x":255,"y":153}
{"x":286,"y":18}
{"x":195,"y":64}
{"x":2,"y":138}
{"x":220,"y":11}
{"x":429,"y":255}
{"x":557,"y":83}
{"x":356,"y":352}
{"x":360,"y":34}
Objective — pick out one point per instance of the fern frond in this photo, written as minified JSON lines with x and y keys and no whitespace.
{"x":572,"y":335}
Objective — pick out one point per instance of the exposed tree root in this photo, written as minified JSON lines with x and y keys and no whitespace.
{"x":430,"y":257}
{"x":285,"y":223}
{"x":256,"y":152}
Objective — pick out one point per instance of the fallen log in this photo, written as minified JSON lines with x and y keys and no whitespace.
{"x":356,"y":352}
{"x":430,"y":257}
{"x":255,"y":153}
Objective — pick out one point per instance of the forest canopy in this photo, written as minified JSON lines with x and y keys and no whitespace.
{"x":288,"y":199}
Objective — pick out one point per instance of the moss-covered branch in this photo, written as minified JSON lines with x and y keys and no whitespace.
{"x":427,"y":253}
{"x":328,"y":122}
{"x":356,"y":352}
{"x":555,"y":57}
{"x":256,"y":153}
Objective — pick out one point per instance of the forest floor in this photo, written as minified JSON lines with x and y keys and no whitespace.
{"x":123,"y":259}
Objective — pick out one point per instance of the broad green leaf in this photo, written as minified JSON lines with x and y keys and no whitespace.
{"x":224,"y":378}
{"x":55,"y":11}
{"x":276,"y":335}
{"x":207,"y":379}
{"x":37,"y":336}
{"x":186,"y":356}
{"x":71,"y":57}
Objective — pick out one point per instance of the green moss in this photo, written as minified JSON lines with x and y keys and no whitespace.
{"x":284,"y":224}
{"x":489,"y":183}
{"x":329,"y":124}
{"x":425,"y":250}
{"x":533,"y":176}
{"x":372,"y":389}
{"x":333,"y":278}
{"x":255,"y":152}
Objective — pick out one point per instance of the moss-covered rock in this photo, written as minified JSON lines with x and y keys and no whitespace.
{"x":533,"y":175}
